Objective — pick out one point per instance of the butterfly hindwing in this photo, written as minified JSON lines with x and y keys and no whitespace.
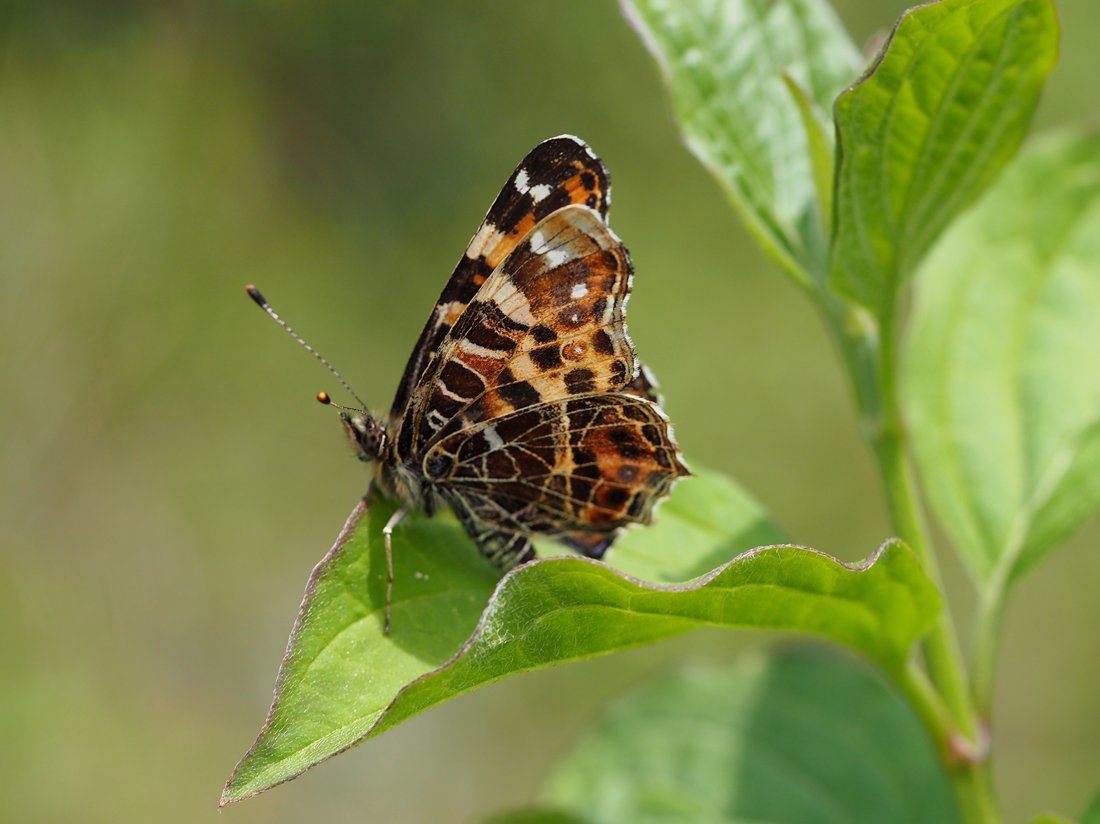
{"x":556,"y":173}
{"x":576,"y":469}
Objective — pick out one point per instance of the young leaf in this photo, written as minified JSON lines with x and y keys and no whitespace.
{"x":343,"y":681}
{"x":819,"y":147}
{"x":724,"y":62}
{"x":1002,"y":381}
{"x":790,"y":738}
{"x":944,"y":108}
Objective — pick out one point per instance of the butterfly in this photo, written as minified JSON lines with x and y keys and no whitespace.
{"x":523,"y":406}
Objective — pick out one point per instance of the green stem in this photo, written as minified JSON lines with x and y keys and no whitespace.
{"x":986,"y":634}
{"x":974,"y":789}
{"x":922,"y":695}
{"x":941,"y":648}
{"x":945,"y":704}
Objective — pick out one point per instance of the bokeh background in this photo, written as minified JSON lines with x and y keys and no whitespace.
{"x":167,"y":480}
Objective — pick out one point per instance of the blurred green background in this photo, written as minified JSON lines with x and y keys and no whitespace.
{"x":168,"y":480}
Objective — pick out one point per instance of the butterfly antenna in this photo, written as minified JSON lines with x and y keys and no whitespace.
{"x":261,"y":301}
{"x":324,"y":399}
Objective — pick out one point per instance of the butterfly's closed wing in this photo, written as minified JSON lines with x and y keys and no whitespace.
{"x":533,"y":418}
{"x":556,"y":173}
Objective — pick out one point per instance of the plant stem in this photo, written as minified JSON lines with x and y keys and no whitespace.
{"x":924,"y":698}
{"x":974,"y":789}
{"x":941,"y":648}
{"x":946,"y":705}
{"x":986,"y":634}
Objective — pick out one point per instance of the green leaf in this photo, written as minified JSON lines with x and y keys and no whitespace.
{"x":788,"y":738}
{"x":1002,"y":380}
{"x":1051,"y":818}
{"x":819,"y":146}
{"x":927,"y":130}
{"x":343,"y":681}
{"x":724,"y":62}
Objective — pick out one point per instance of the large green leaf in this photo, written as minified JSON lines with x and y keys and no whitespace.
{"x":725,"y":62}
{"x":791,"y":738}
{"x":1003,"y":370}
{"x":343,"y":681}
{"x":943,"y":109}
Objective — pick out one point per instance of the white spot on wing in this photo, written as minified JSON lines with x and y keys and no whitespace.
{"x":556,"y":257}
{"x":521,"y":181}
{"x":540,"y":192}
{"x":493,"y":437}
{"x":579,"y":291}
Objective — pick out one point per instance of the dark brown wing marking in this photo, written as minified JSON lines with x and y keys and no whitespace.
{"x":556,"y":173}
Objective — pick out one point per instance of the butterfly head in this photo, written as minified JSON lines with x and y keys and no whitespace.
{"x":367,"y":436}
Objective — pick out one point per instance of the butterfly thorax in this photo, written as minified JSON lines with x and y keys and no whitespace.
{"x":372,"y":444}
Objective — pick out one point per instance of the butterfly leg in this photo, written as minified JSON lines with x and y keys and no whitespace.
{"x":387,"y":538}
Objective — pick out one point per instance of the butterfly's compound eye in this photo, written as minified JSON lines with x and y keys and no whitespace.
{"x":374,"y":438}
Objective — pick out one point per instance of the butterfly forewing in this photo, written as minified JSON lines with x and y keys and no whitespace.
{"x":547,"y":324}
{"x":556,"y":173}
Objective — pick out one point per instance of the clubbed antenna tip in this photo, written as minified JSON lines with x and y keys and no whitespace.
{"x":256,"y":295}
